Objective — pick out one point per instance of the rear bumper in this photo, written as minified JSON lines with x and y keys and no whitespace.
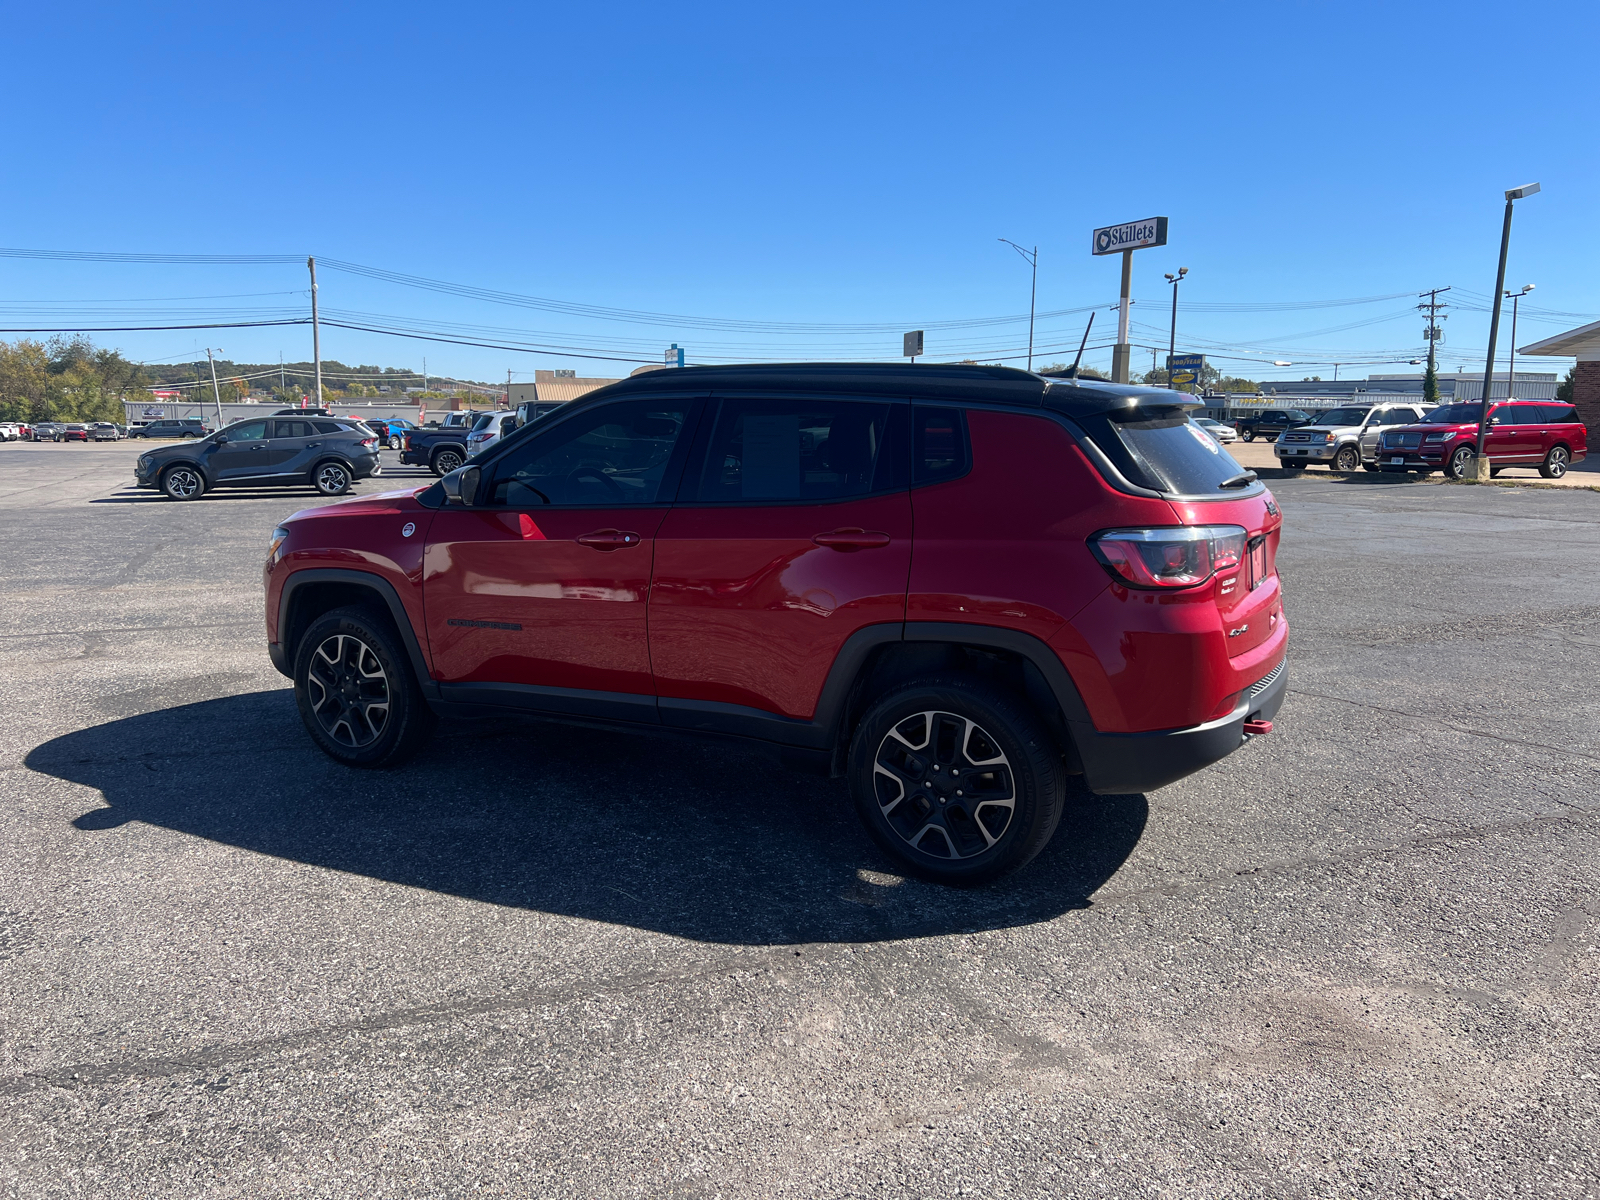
{"x":1120,"y":763}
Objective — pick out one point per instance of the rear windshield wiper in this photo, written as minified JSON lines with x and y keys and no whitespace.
{"x":1243,"y":479}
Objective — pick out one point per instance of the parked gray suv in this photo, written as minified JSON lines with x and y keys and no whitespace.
{"x":327,"y":454}
{"x":1343,"y":439}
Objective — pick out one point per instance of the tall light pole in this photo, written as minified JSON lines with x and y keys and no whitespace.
{"x":1032,"y":257}
{"x":1511,"y":375}
{"x":1512,"y":197}
{"x":1172,"y":339}
{"x":216,"y":392}
{"x":316,"y":330}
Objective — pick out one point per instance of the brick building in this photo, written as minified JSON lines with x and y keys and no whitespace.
{"x":1583,"y":344}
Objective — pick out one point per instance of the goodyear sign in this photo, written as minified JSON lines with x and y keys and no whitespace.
{"x":1135,"y":235}
{"x":1185,"y":369}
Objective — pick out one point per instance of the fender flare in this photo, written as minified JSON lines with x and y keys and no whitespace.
{"x":282,"y":656}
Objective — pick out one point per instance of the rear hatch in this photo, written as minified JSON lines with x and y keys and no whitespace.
{"x":1234,"y":520}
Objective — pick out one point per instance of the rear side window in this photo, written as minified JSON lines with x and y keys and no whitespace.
{"x":291,"y":429}
{"x":940,"y":448}
{"x":803,"y":450}
{"x":330,"y":427}
{"x":1560,"y":414}
{"x":1163,"y":450}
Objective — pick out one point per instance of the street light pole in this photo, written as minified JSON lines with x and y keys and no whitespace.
{"x":1511,"y":374}
{"x":1172,"y":340}
{"x":1032,"y":257}
{"x":1512,"y":197}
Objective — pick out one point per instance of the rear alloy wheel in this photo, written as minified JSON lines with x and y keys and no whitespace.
{"x":446,"y":461}
{"x":1555,"y":463}
{"x":1462,"y":463}
{"x":183,"y":483}
{"x":356,"y":692}
{"x":957,"y":783}
{"x":394,"y":441}
{"x":1347,"y":460}
{"x":1249,"y":435}
{"x":332,"y":479}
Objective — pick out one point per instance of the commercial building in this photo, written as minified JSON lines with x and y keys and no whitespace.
{"x":1375,"y":389}
{"x":1583,"y":344}
{"x":556,"y":386}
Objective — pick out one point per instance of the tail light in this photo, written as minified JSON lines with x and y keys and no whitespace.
{"x":369,"y":441}
{"x":1178,"y":556}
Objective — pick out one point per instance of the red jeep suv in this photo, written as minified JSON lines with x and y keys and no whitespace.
{"x":1522,"y":433}
{"x":951,"y":585}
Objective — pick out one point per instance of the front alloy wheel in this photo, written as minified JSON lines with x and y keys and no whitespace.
{"x":348,"y":691}
{"x":356,"y":692}
{"x":182,"y":483}
{"x":1347,"y":460}
{"x":1555,"y":463}
{"x":1461,"y":463}
{"x":1249,"y":435}
{"x":332,"y":479}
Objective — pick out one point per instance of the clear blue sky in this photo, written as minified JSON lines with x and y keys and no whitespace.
{"x":846,"y":164}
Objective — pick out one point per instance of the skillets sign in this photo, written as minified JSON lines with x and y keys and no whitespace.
{"x":1135,"y":235}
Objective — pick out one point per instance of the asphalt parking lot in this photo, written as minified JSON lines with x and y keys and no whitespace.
{"x":1359,"y":957}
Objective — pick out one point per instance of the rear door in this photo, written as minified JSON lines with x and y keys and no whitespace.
{"x":791,"y":532}
{"x":294,"y":444}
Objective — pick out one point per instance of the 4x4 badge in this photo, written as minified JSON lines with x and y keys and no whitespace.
{"x":408,"y":530}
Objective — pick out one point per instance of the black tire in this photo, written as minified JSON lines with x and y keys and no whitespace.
{"x":446,"y":460}
{"x":1347,"y":460}
{"x":183,"y":482}
{"x":355,"y":690}
{"x":1290,"y":464}
{"x":943,"y":831}
{"x":1248,"y":435}
{"x":1369,"y":466}
{"x":1494,"y":472}
{"x":331,"y":478}
{"x":1555,"y":463}
{"x":1462,"y":463}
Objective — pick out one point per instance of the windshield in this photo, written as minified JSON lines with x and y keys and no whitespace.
{"x":1296,"y":415}
{"x":1455,"y":414}
{"x":1343,"y":416}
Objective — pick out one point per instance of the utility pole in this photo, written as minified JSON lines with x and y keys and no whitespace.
{"x":1435,"y":335}
{"x":1122,"y":351}
{"x":1031,"y":257}
{"x":216,"y":392}
{"x":1512,"y":197}
{"x":283,"y":385}
{"x":508,"y":387}
{"x":1172,"y":341}
{"x":1511,"y":376}
{"x":424,"y":372}
{"x":316,"y":332}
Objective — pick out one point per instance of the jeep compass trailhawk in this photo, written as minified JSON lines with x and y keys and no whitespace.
{"x":953,"y":586}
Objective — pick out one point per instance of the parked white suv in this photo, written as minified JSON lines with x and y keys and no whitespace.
{"x":1343,"y":438}
{"x":488,"y":430}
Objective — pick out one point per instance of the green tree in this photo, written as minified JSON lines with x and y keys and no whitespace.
{"x":1564,"y":388}
{"x":1430,"y":384}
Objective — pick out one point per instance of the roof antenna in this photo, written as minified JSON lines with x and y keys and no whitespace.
{"x":1081,"y":345}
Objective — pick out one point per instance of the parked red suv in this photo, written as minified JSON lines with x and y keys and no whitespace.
{"x":952,"y":585}
{"x":1522,"y":433}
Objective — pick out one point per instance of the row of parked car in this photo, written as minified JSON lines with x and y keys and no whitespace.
{"x":1423,"y":438}
{"x":59,"y":431}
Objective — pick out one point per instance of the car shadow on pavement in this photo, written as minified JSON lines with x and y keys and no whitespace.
{"x":701,"y":840}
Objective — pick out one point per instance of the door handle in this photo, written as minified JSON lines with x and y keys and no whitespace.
{"x":312,"y":445}
{"x":852,"y":539}
{"x":608,"y":539}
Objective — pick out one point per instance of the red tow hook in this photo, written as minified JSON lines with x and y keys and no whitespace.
{"x":1255,"y":728}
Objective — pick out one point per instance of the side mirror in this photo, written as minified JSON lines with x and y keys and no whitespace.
{"x":222,"y":439}
{"x":461,"y":486}
{"x":1494,"y":420}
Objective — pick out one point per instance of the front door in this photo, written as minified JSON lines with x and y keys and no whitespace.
{"x":536,"y":595}
{"x":792,"y":531}
{"x":244,"y":455}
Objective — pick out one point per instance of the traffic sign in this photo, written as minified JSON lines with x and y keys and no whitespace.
{"x":1135,"y":235}
{"x":912,"y":343}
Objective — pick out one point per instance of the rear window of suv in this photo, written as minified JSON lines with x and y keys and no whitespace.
{"x":1163,"y":450}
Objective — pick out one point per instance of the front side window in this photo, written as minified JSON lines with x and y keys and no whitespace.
{"x":610,"y":455}
{"x":247,"y":431}
{"x":802,"y":450}
{"x":1456,"y":414}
